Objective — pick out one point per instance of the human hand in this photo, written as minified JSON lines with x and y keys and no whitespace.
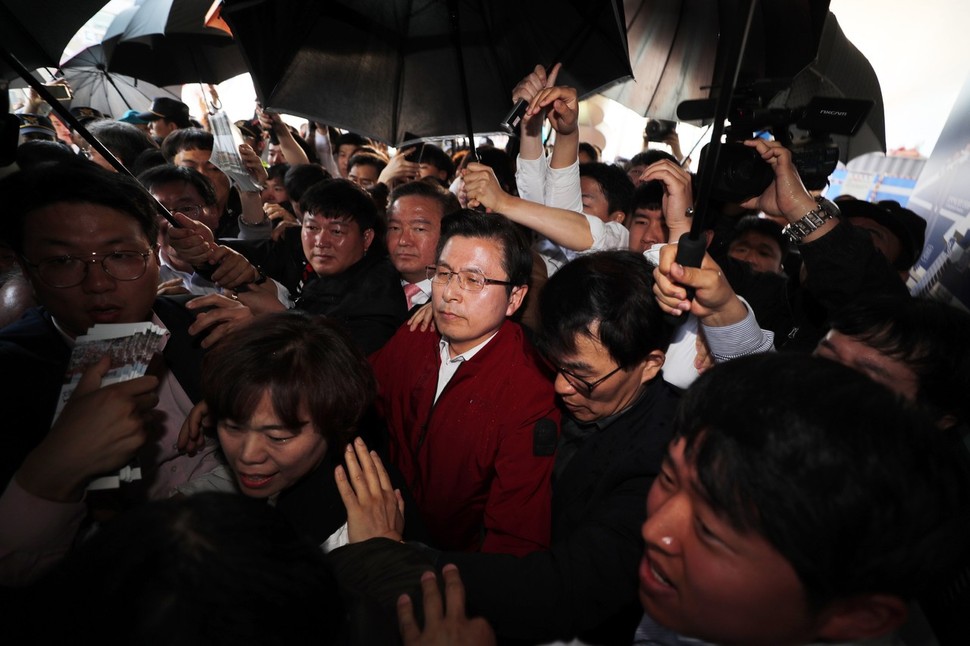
{"x":254,"y":166}
{"x":280,"y":230}
{"x":563,"y":106}
{"x":423,"y":318}
{"x":170,"y":287}
{"x":399,"y":169}
{"x":374,"y":507}
{"x":786,"y":195}
{"x":233,"y":270}
{"x":442,"y":626}
{"x":527,"y":89}
{"x":677,"y":198}
{"x":99,"y":430}
{"x":192,"y":241}
{"x":225,"y":315}
{"x":483,"y":188}
{"x":192,"y":434}
{"x":714,"y":303}
{"x":277,"y":212}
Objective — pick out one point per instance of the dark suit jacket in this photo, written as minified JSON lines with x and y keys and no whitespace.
{"x":585,"y":585}
{"x":34,"y":358}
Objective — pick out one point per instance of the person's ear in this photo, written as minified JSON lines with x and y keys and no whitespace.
{"x":368,"y":239}
{"x":616,"y":216}
{"x":862,"y":617}
{"x":516,"y":298}
{"x":651,"y":365}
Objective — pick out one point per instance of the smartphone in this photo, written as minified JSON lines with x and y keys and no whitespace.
{"x":59,"y":91}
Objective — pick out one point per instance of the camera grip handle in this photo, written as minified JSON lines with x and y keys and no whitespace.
{"x":690,"y":253}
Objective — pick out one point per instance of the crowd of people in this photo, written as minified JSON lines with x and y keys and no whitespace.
{"x":399,"y":391}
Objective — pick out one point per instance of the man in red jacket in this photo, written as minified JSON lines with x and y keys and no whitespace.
{"x":470,"y":413}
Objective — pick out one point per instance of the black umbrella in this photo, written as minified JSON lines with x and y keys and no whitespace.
{"x":675,"y":45}
{"x":392,"y":69}
{"x":166,"y":42}
{"x":37,"y":31}
{"x":112,"y":94}
{"x":841,"y":71}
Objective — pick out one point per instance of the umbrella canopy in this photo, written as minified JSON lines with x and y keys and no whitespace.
{"x":841,"y":71}
{"x":675,"y":49}
{"x":390,"y":69}
{"x":37,"y":31}
{"x":112,"y":94}
{"x":166,"y":42}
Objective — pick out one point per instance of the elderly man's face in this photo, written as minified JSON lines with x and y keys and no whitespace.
{"x":467,"y":318}
{"x":413,"y":230}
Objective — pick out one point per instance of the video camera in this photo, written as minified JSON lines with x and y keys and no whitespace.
{"x":806,"y":131}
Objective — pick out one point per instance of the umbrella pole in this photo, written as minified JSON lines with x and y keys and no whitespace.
{"x":466,"y":101}
{"x":69,"y":118}
{"x":693,"y":245}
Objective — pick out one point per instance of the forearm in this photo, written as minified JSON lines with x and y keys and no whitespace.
{"x":291,"y":150}
{"x":566,"y":228}
{"x":566,"y":150}
{"x":253,"y":222}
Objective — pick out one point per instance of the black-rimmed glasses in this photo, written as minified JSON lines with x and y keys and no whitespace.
{"x":70,"y":271}
{"x":581,"y":385}
{"x":471,"y":281}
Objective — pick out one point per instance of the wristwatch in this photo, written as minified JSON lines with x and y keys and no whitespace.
{"x":824,"y":211}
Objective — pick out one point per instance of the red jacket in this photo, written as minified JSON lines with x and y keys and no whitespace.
{"x":469,"y":458}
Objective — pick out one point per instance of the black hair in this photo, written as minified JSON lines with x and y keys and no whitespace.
{"x":500,"y":162}
{"x":341,"y":199}
{"x":855,"y":489}
{"x":590,"y":149}
{"x":38,"y":151}
{"x":299,"y":360}
{"x":648,"y":157}
{"x":931,"y":337}
{"x":301,"y":177}
{"x":81,"y":181}
{"x":350,"y":138}
{"x":615,"y":184}
{"x":648,"y":195}
{"x":430,"y":154}
{"x":367,"y":159}
{"x":611,"y":291}
{"x":169,"y":174}
{"x":213,"y":568}
{"x":765,"y":226}
{"x":516,"y":252}
{"x":186,"y":139}
{"x":277,"y":171}
{"x":124,"y":140}
{"x":432,"y":190}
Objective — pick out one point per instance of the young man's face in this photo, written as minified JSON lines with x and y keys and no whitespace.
{"x":363,"y":175}
{"x":426,"y":169}
{"x":702,"y":578}
{"x":614,"y":390}
{"x":184,"y":198}
{"x":413,"y":230}
{"x":69,"y":229}
{"x":274,"y":192}
{"x":595,"y":202}
{"x":647,"y":228}
{"x":759,"y":251}
{"x":894,"y":374}
{"x":468,"y":318}
{"x":333,"y":245}
{"x":342,"y":156}
{"x":199,"y":160}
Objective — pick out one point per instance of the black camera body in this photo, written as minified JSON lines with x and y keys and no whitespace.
{"x":741,"y":173}
{"x":658,"y":129}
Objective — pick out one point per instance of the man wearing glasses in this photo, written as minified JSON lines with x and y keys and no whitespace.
{"x":470,"y":413}
{"x":603,"y":332}
{"x":85,"y":238}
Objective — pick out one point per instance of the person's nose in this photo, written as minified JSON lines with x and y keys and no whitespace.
{"x":252,"y":449}
{"x":405,"y":239}
{"x":562,"y":385}
{"x":665,"y":525}
{"x":322,"y":238}
{"x":97,"y":280}
{"x":451,"y":291}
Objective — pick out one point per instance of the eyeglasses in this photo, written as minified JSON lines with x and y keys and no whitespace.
{"x":190,"y":210}
{"x":70,"y":271}
{"x":470,"y":281}
{"x":581,"y":385}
